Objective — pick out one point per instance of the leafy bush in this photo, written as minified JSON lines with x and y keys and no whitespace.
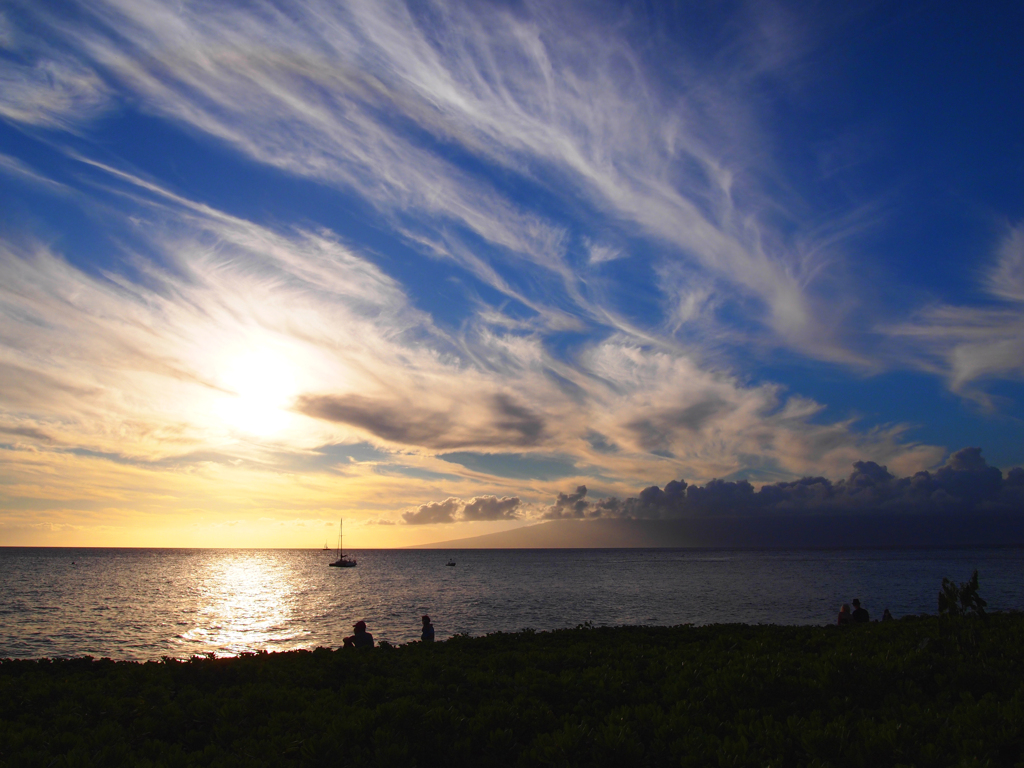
{"x":905,"y":692}
{"x":962,"y":599}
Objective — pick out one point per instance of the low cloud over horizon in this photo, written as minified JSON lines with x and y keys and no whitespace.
{"x":965,"y":484}
{"x":452,"y":510}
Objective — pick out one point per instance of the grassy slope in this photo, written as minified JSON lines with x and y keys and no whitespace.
{"x":913,"y":692}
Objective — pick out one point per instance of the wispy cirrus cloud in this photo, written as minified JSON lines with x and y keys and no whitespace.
{"x":1005,"y":278}
{"x":971,"y":344}
{"x":376,"y":98}
{"x":15,"y":168}
{"x":50,"y":94}
{"x":234,"y":301}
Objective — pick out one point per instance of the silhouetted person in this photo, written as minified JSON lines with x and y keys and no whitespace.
{"x":859,"y":615}
{"x":361,"y":638}
{"x":886,"y":616}
{"x":427,"y":635}
{"x":844,"y":615}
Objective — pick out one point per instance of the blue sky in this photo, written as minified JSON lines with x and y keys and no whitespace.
{"x":265,"y":264}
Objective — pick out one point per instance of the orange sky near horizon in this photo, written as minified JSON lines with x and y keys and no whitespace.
{"x":93,"y":502}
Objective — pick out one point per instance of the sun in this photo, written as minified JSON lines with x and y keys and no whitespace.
{"x":260,"y":386}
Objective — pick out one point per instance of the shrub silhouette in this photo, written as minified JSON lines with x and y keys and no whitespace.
{"x":925,"y":691}
{"x":962,"y":599}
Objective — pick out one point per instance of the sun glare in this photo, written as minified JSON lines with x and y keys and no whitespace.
{"x":262,"y":386}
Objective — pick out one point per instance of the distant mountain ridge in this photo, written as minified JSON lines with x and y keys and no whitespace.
{"x":773,"y":532}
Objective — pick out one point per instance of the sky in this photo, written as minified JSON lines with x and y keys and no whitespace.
{"x":436,"y":268}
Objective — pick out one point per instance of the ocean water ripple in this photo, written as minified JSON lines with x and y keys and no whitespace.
{"x":146,"y":604}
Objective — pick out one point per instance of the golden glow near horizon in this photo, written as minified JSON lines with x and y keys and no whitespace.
{"x":93,"y":502}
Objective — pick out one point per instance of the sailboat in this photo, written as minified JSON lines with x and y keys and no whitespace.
{"x":343,"y":561}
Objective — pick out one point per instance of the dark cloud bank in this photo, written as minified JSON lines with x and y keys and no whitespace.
{"x":966,"y":484}
{"x":504,"y":422}
{"x":451,"y":510}
{"x":964,"y":503}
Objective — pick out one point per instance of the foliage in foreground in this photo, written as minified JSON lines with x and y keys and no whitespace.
{"x":923,"y":692}
{"x":961,"y":599}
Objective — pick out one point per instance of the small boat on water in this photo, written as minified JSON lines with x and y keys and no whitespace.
{"x":343,"y":561}
{"x":450,"y":562}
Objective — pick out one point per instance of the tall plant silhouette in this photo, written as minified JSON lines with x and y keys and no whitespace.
{"x":961,"y":599}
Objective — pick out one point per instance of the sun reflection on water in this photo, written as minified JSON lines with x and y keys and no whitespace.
{"x":245,"y":602}
{"x":148,"y":604}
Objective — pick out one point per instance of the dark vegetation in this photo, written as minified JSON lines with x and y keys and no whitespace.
{"x":961,"y":599}
{"x":930,"y":691}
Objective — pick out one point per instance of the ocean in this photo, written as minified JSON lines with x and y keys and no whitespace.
{"x":143,"y":604}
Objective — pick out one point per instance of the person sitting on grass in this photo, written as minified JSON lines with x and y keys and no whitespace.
{"x":361,"y":638}
{"x":859,"y":615}
{"x":427,"y":635}
{"x":844,"y":615}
